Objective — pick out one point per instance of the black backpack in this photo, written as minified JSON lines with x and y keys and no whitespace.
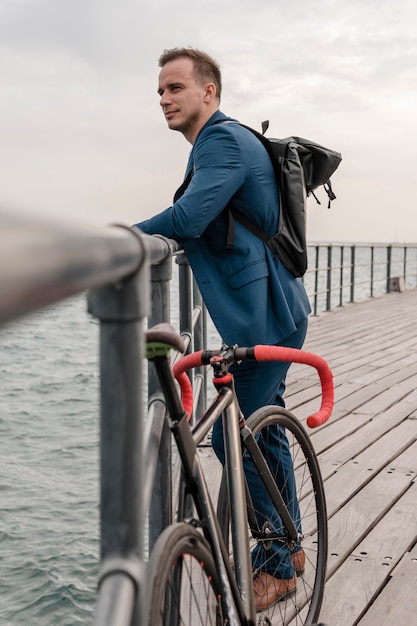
{"x":300,"y":166}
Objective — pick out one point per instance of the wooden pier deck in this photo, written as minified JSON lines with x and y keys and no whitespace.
{"x":368,"y":457}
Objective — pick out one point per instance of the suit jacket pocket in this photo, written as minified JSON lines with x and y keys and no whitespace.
{"x":248,"y":274}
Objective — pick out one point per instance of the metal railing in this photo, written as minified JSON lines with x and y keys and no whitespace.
{"x":339,"y":274}
{"x":192,"y":325}
{"x":128,"y":275}
{"x":43,"y":262}
{"x":130,"y":281}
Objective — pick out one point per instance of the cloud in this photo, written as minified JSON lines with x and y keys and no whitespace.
{"x":82,"y":134}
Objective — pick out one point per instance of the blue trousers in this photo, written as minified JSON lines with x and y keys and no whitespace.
{"x":258,"y":384}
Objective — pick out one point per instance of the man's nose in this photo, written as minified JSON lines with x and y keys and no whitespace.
{"x":164,"y":99}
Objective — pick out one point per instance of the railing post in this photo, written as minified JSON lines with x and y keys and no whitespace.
{"x":372,"y":272}
{"x":185,"y":296}
{"x":185,"y":282}
{"x":161,"y":276}
{"x":329,"y":279}
{"x":352,"y":273}
{"x":160,"y":513}
{"x":200,"y":343}
{"x":405,"y":266}
{"x":121,"y":309}
{"x":415,"y":250}
{"x":389,"y":259}
{"x":415,"y":267}
{"x":342,"y":249}
{"x":316,"y":279}
{"x":191,"y":306}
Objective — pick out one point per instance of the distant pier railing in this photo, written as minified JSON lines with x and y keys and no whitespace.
{"x":342,"y":273}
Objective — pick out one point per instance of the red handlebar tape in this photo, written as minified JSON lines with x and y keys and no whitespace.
{"x":267,"y":353}
{"x":187,"y":362}
{"x":292,"y":355}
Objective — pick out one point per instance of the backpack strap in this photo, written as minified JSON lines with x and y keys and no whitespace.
{"x":181,"y":190}
{"x":230,"y":242}
{"x":233,"y":213}
{"x":328,"y":188}
{"x":248,"y":224}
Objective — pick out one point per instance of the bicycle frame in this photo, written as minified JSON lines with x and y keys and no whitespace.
{"x":203,"y":426}
{"x":242,"y":611}
{"x":238,"y":588}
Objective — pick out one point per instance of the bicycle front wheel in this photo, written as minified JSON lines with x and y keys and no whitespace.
{"x":183,"y":580}
{"x":287,"y":449}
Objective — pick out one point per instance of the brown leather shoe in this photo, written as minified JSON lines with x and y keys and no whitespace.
{"x":299,"y":561}
{"x":269,"y":590}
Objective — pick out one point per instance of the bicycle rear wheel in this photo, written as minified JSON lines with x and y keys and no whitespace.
{"x":306,"y":503}
{"x":183,"y":582}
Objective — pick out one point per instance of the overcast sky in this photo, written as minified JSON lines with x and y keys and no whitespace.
{"x":82,"y":135}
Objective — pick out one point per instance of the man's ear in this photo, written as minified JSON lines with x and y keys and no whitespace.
{"x":210,"y":92}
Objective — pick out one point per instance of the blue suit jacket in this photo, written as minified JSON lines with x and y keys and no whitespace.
{"x":249,"y":294}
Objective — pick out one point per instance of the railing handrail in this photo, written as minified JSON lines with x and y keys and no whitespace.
{"x":363,"y":244}
{"x":43,"y":261}
{"x":48,"y":260}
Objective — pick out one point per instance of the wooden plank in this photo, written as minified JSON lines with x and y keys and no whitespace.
{"x":358,"y":472}
{"x":360,"y":439}
{"x":359,"y":580}
{"x":359,"y":398}
{"x":363,"y":511}
{"x":390,"y":539}
{"x":358,"y":323}
{"x":408,"y":460}
{"x":362,"y":334}
{"x":390,"y":397}
{"x":349,"y":397}
{"x":369,"y":393}
{"x":374,"y":370}
{"x":397,"y":602}
{"x":338,"y":431}
{"x":352,"y":356}
{"x":405,"y":374}
{"x":412,"y":399}
{"x":212,"y":470}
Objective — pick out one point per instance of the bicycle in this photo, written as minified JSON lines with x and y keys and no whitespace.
{"x":197,"y":545}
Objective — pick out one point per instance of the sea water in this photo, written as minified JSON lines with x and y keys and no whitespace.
{"x":49,"y":465}
{"x":49,"y":472}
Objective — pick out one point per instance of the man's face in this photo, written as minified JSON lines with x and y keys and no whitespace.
{"x":182,"y":98}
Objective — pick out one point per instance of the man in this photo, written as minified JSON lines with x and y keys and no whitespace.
{"x":249,"y":294}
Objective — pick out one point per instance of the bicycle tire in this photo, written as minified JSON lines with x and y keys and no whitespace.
{"x":304,"y":606}
{"x":183,"y":581}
